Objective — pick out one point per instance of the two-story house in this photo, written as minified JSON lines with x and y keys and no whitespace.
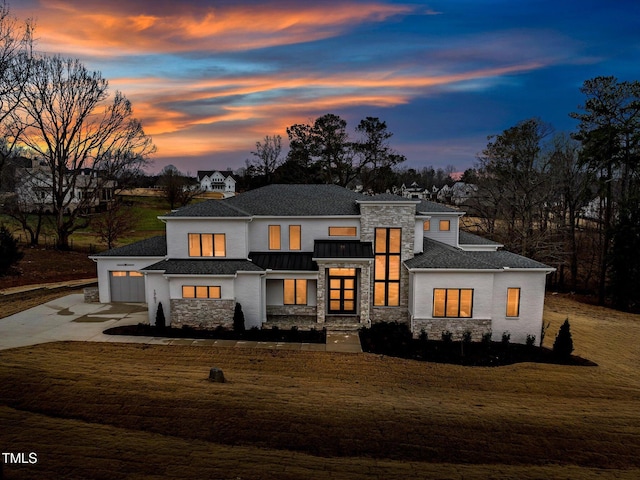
{"x":320,"y":256}
{"x":216,"y":181}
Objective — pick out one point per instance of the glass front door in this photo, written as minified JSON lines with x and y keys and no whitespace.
{"x":342,"y":291}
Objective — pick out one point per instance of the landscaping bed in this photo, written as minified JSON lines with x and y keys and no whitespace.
{"x":395,"y":340}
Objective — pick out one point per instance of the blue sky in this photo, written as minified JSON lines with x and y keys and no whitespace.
{"x":210,"y":78}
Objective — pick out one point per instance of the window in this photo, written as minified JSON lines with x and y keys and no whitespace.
{"x":426,"y":226}
{"x":452,"y":302}
{"x":274,"y":237}
{"x":386,"y":291}
{"x":295,"y":237}
{"x":295,"y":292}
{"x":207,"y":245}
{"x":193,"y":291}
{"x":342,"y":291}
{"x":445,"y":225}
{"x":343,"y":231}
{"x":513,"y":302}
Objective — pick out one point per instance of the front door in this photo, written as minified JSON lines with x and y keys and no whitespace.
{"x":342,"y":291}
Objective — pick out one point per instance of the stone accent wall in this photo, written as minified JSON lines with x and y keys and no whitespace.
{"x":435,"y":326}
{"x":364,"y":271}
{"x":202,"y":313}
{"x":91,"y":295}
{"x":391,"y":216}
{"x":301,"y":310}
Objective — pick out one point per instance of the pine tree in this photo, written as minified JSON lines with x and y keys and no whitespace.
{"x":563,"y":345}
{"x":238,"y":319}
{"x":160,"y":320}
{"x":9,"y":251}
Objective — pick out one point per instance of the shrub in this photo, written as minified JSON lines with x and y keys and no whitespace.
{"x":447,"y":337}
{"x":466,"y":336}
{"x":531,"y":340}
{"x":506,"y":338}
{"x":9,"y":251}
{"x":161,"y":323}
{"x":486,"y":337}
{"x":238,"y":319}
{"x":563,"y":346}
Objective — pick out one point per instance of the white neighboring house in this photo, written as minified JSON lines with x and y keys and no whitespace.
{"x":216,"y":181}
{"x":321,"y":256}
{"x":89,"y":192}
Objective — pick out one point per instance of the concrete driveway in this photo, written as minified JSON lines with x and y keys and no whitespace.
{"x":70,"y":318}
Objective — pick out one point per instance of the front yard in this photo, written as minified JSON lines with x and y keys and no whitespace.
{"x":136,"y":411}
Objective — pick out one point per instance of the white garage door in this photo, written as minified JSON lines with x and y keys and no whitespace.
{"x":127,"y":286}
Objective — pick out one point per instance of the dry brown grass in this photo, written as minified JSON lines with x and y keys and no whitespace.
{"x":148,"y":412}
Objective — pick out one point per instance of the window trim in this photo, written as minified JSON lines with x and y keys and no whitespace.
{"x":518,"y":301}
{"x":446,"y":303}
{"x":213,"y":244}
{"x":210,"y":289}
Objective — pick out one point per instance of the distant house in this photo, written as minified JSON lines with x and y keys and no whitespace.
{"x":216,"y":181}
{"x":322,"y":256}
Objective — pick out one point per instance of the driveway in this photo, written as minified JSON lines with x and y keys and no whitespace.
{"x":70,"y":318}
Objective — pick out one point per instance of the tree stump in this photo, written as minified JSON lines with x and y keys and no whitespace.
{"x":216,"y":375}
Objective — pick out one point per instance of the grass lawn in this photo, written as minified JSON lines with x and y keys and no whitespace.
{"x":118,"y":411}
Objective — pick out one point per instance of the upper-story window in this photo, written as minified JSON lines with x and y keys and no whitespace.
{"x":387,"y":267}
{"x":207,"y":245}
{"x":445,"y":225}
{"x":295,"y":237}
{"x":513,"y":302}
{"x":426,"y":226}
{"x":343,"y":231}
{"x":274,"y":237}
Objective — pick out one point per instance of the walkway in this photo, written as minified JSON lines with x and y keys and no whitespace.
{"x":69,"y":318}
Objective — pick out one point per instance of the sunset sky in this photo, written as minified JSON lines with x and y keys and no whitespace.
{"x":210,"y":78}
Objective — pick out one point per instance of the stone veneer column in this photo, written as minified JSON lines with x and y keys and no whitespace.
{"x":381,"y":214}
{"x":364,"y":271}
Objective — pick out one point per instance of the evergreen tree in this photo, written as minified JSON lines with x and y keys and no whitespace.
{"x":161,"y":323}
{"x":563,"y":346}
{"x":9,"y":251}
{"x":238,"y":319}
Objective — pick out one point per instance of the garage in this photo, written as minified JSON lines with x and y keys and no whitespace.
{"x":127,"y":286}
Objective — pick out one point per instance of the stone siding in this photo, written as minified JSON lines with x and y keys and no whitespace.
{"x":434,"y":327}
{"x":91,"y":295}
{"x":202,"y":313}
{"x":364,"y":288}
{"x":391,"y":216}
{"x":297,"y":310}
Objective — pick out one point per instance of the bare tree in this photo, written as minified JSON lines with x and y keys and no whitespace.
{"x":15,"y":63}
{"x":69,"y":122}
{"x":179,"y":189}
{"x":113,"y":223}
{"x":267,"y":156}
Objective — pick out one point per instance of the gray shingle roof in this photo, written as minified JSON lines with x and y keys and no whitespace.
{"x":438,"y":255}
{"x":203,"y":267}
{"x":342,"y":249}
{"x":284,"y":261}
{"x":294,"y":201}
{"x":150,"y":247}
{"x":466,"y":238}
{"x":388,"y":197}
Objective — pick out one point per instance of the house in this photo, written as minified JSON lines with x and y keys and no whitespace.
{"x":322,"y":256}
{"x":215,"y":181}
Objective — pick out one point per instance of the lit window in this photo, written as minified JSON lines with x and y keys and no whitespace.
{"x":200,"y":291}
{"x":295,"y":237}
{"x":343,"y":231}
{"x":426,"y":226}
{"x":295,"y":292}
{"x":207,"y":245}
{"x":118,"y":274}
{"x":452,"y":302}
{"x":342,"y":291}
{"x":386,"y":291}
{"x":513,"y":302}
{"x":274,"y":237}
{"x":445,"y":225}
